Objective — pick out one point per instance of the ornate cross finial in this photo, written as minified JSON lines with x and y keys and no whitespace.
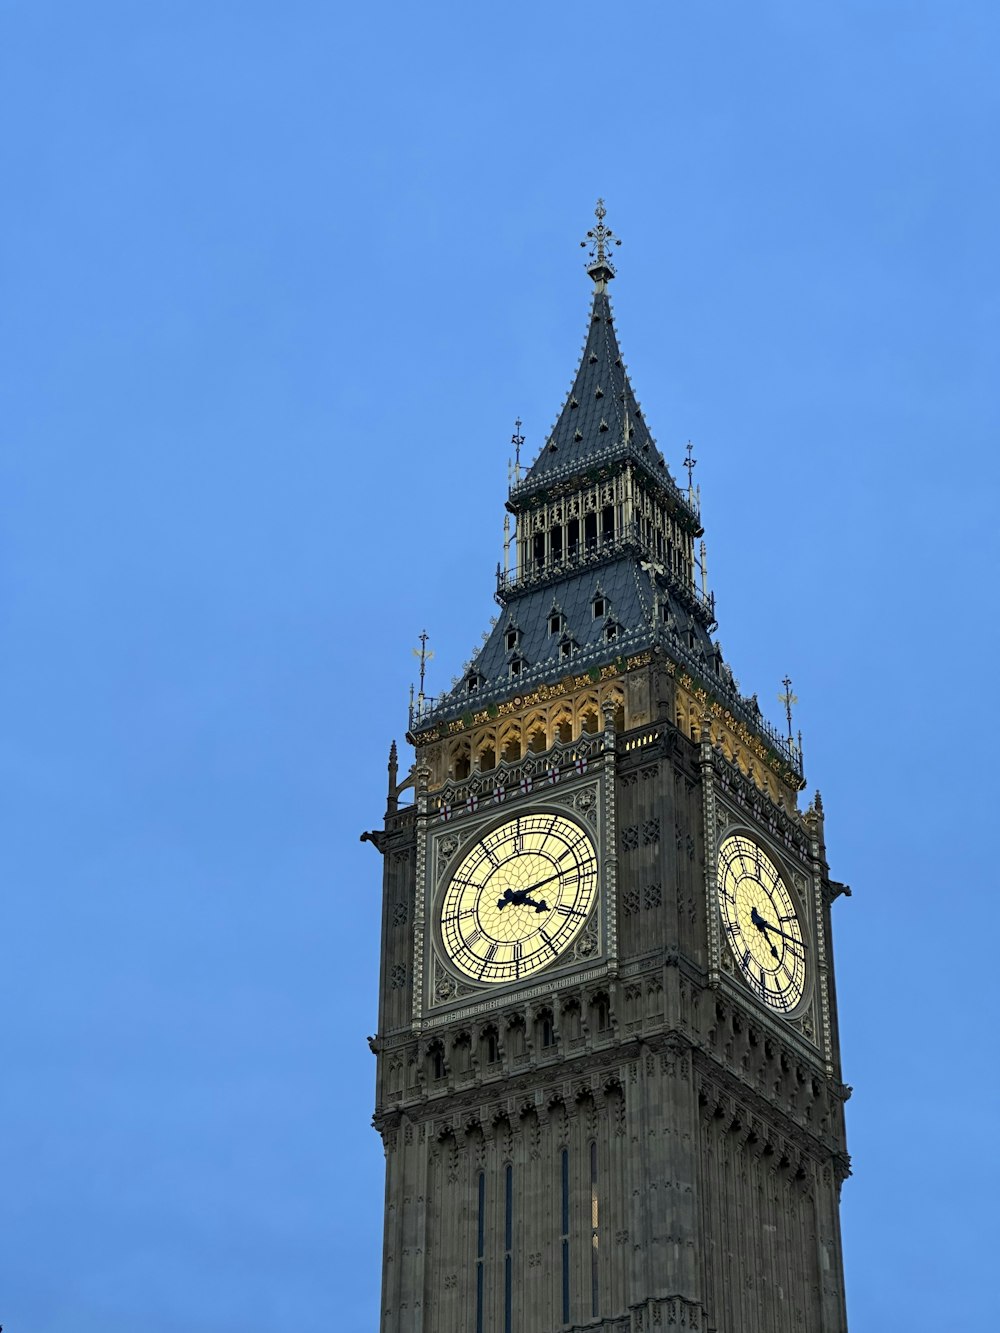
{"x":788,"y":699}
{"x":425,"y":654}
{"x":600,"y":237}
{"x":690,"y":462}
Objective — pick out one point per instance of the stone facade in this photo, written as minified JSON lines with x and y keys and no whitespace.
{"x":628,"y":1139}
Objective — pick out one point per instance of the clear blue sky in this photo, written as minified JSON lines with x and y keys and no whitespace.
{"x":276,"y":280}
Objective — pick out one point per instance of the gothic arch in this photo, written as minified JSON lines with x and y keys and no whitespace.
{"x":536,"y":738}
{"x":510,"y":743}
{"x":460,"y":760}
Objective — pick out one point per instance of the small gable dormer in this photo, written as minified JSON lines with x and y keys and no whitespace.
{"x":567,"y":645}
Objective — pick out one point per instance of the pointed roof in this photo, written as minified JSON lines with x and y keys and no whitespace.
{"x":601,"y":416}
{"x":601,"y":421}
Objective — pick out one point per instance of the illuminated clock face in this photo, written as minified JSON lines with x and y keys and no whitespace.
{"x":761,"y":923}
{"x":519,"y":898}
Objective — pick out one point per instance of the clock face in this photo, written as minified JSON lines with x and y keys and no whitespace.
{"x":519,"y":898}
{"x":761,"y":924}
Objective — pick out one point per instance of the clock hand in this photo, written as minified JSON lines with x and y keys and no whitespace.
{"x":517,"y":897}
{"x":531,"y":887}
{"x":763,"y":925}
{"x":522,"y":898}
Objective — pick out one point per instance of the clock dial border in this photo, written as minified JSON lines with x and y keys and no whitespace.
{"x":488,"y":948}
{"x":764,"y":954}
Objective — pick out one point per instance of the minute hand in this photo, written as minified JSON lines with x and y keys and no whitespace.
{"x":542,"y":882}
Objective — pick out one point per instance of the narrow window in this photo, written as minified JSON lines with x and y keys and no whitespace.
{"x":555,"y":622}
{"x":539,"y":549}
{"x":438,"y":1063}
{"x":511,"y":639}
{"x":607,"y":522}
{"x":492,"y":1053}
{"x":565,"y":649}
{"x":595,"y":1295}
{"x":565,"y":1236}
{"x":573,"y":534}
{"x":480,"y":1239}
{"x":546,"y":1031}
{"x":611,"y":633}
{"x":515,"y":667}
{"x":598,"y":607}
{"x":590,"y":531}
{"x":556,"y":543}
{"x":603,"y":1014}
{"x":508,"y":1246}
{"x":473,"y":684}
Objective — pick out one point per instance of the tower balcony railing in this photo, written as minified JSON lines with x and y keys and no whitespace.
{"x":743,"y":708}
{"x":597,"y":552}
{"x":427,"y":710}
{"x":612,"y":453}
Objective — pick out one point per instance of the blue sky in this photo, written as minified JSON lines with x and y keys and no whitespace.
{"x":276,"y":281}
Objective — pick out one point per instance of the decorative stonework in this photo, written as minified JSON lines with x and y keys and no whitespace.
{"x":718,"y":1125}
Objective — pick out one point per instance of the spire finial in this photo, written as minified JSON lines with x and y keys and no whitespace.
{"x":424,"y":654}
{"x":517,"y":439}
{"x":788,"y":699}
{"x":601,"y":238}
{"x":690,"y":462}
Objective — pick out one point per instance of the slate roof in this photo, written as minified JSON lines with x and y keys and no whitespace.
{"x":600,"y":416}
{"x":600,"y":422}
{"x":637,"y":603}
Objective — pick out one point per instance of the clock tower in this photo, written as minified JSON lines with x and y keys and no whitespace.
{"x":608,"y":1080}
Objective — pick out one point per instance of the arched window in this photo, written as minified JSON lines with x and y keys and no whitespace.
{"x":492,"y":1042}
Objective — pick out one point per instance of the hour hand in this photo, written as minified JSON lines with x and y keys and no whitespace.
{"x":521,"y":898}
{"x":764,"y":926}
